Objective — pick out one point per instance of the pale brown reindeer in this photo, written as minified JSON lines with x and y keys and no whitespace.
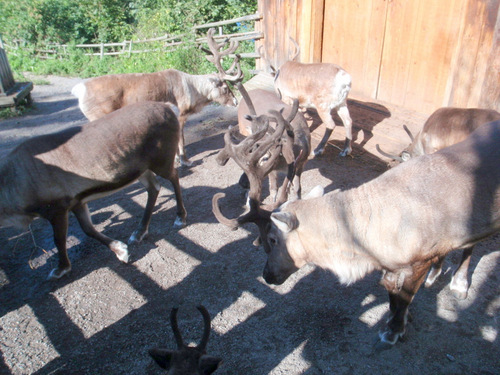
{"x":399,"y":223}
{"x":190,"y":93}
{"x":322,"y":86}
{"x":50,"y":175}
{"x":187,"y":360}
{"x":445,"y":127}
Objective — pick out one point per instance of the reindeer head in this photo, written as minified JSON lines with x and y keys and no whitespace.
{"x":407,"y":153}
{"x":187,"y":360}
{"x":258,"y":153}
{"x":222,"y":92}
{"x":279,"y":234}
{"x":275,"y":228}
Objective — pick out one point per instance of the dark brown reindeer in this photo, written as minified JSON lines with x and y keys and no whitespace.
{"x":50,"y":175}
{"x":187,"y":360}
{"x":399,"y":223}
{"x":321,"y":86}
{"x":257,"y":154}
{"x":190,"y":93}
{"x":262,"y":102}
{"x":445,"y":127}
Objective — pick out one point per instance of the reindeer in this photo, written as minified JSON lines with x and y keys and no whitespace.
{"x":50,"y":175}
{"x":399,"y":223}
{"x":190,"y":93}
{"x":445,"y":127}
{"x":297,"y":140}
{"x":322,"y":86}
{"x":187,"y":360}
{"x":261,"y":150}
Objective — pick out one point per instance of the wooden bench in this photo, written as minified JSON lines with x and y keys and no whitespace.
{"x":11,"y":92}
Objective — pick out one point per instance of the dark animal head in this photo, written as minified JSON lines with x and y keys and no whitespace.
{"x":187,"y":360}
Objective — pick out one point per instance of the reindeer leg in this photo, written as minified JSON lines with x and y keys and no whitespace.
{"x":434,"y":273}
{"x":459,"y":284}
{"x":59,"y":222}
{"x":82,"y":214}
{"x":296,"y":191}
{"x":402,"y":287}
{"x":170,"y":173}
{"x":181,"y":153}
{"x":273,"y":184}
{"x":148,"y":179}
{"x":344,"y":115}
{"x":330,"y":125}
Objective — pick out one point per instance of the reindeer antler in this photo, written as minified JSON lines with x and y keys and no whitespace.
{"x":175,"y":328}
{"x":217,"y":53}
{"x":206,"y":329}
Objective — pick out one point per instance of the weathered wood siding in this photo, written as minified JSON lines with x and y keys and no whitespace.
{"x":421,"y":54}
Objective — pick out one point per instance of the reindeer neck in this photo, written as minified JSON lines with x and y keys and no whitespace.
{"x":201,"y":86}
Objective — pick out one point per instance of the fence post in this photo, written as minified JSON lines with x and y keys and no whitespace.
{"x":102,"y":50}
{"x":130,"y":49}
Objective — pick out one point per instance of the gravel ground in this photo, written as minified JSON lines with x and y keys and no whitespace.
{"x":104,"y":316}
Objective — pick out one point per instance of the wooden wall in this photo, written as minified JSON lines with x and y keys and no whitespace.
{"x":420,"y":54}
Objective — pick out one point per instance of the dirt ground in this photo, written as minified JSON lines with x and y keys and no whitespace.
{"x":104,"y":316}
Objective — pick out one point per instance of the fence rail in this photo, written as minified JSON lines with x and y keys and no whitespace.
{"x":168,"y":42}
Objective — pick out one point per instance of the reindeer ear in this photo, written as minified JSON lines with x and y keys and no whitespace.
{"x":316,"y":192}
{"x":162,"y":357}
{"x":209,"y":364}
{"x":285,"y":221}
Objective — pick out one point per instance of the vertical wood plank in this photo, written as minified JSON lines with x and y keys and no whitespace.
{"x":353,"y":38}
{"x":418,"y":48}
{"x":475,"y":75}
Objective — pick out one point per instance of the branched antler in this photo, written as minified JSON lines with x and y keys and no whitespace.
{"x":216,"y":53}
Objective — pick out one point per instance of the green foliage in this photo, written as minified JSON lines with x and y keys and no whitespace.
{"x":63,"y":21}
{"x":71,"y":22}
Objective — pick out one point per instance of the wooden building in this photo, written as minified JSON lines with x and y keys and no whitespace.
{"x":419,"y":54}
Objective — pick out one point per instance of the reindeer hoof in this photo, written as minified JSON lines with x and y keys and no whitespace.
{"x":185,"y":162}
{"x":346,"y":152}
{"x":179,"y":222}
{"x":319,"y":151}
{"x":458,"y":294}
{"x":57,"y":273}
{"x":459,"y":288}
{"x":120,"y":249}
{"x":388,"y":337}
{"x":136,"y":237}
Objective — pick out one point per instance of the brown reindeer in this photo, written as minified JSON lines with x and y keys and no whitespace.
{"x":289,"y":154}
{"x":187,"y":360}
{"x":190,"y":93}
{"x":445,"y":127}
{"x":321,"y":86}
{"x":50,"y":175}
{"x":399,"y":223}
{"x":296,"y":140}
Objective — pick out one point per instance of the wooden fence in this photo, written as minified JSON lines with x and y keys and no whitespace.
{"x":162,"y":43}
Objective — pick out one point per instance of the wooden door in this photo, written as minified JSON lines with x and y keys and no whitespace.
{"x":353,"y":38}
{"x":397,"y":51}
{"x":419,"y":44}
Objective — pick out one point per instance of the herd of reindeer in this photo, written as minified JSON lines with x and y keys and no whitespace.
{"x":443,"y":196}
